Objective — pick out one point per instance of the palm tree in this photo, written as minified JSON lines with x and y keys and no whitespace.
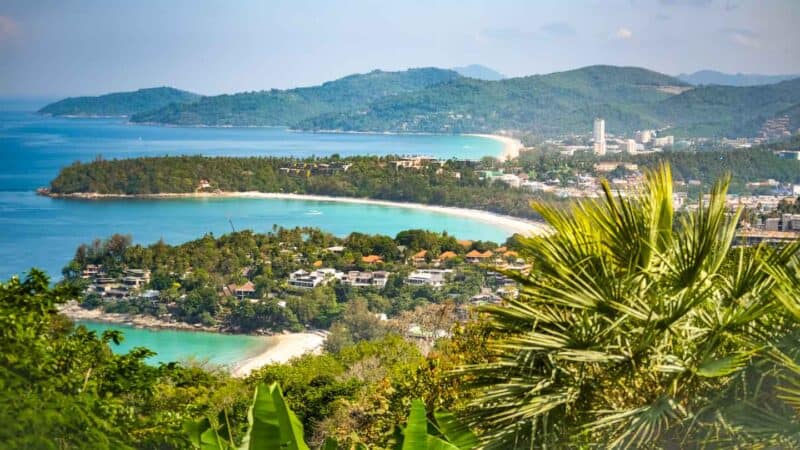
{"x":635,"y":328}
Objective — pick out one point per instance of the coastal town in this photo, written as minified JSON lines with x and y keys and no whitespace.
{"x":385,"y":270}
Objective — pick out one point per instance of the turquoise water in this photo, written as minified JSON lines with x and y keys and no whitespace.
{"x":44,"y":233}
{"x":178,"y":345}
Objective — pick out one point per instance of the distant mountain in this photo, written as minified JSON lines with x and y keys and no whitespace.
{"x":560,"y":103}
{"x":556,"y":103}
{"x":479,"y":72}
{"x":706,"y":77}
{"x":120,"y":103}
{"x":285,"y":107}
{"x":442,"y":101}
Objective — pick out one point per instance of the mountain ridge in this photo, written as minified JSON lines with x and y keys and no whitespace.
{"x":436,"y":100}
{"x":479,"y":72}
{"x":706,"y":77}
{"x":284,"y":107}
{"x":121,"y":104}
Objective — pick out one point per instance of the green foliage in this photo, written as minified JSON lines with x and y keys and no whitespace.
{"x":120,"y":103}
{"x":630,"y":331}
{"x":62,"y":387}
{"x":273,"y":425}
{"x":193,"y":277}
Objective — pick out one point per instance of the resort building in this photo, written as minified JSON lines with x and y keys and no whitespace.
{"x":419,"y":258}
{"x":476,"y":257}
{"x":372,"y":259}
{"x":444,"y":256}
{"x":241,"y":292}
{"x":430,"y":277}
{"x":366,"y":279}
{"x":309,"y":280}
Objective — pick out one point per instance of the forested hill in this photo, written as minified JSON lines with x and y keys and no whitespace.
{"x":442,"y":101}
{"x":120,"y":103}
{"x":564,"y":102}
{"x":287,"y":107}
{"x":728,"y":110}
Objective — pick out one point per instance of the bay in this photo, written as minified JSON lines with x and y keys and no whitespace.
{"x":179,"y":345}
{"x":44,"y":233}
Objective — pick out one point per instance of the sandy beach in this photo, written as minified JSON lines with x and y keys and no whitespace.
{"x":509,"y":223}
{"x":284,"y":348}
{"x":281,"y":347}
{"x":511,"y":146}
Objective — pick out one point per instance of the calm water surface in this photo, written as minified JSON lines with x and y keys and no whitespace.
{"x":175,"y":345}
{"x":43,"y":232}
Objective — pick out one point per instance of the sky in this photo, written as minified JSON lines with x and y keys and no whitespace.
{"x":64,"y":47}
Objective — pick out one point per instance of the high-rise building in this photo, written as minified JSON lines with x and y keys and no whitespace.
{"x":599,"y":130}
{"x":599,"y":136}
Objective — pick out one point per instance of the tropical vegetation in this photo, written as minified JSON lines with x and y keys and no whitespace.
{"x":642,"y":329}
{"x":190,"y":282}
{"x":636,"y":328}
{"x":458,"y":183}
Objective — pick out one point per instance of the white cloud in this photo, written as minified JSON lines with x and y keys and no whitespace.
{"x":624,"y":33}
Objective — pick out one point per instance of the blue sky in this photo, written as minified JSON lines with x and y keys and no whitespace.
{"x":90,"y":47}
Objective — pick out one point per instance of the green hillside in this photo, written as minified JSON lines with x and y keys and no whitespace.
{"x":547,"y":104}
{"x":285,"y":107}
{"x":566,"y":102}
{"x":727,"y":110}
{"x":441,"y":101}
{"x":120,"y":103}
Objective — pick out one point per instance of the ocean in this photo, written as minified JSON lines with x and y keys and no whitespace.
{"x":44,"y":233}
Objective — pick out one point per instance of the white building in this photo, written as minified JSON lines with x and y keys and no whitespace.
{"x":630,"y":146}
{"x":510,"y":179}
{"x":663,"y":141}
{"x":644,"y":136}
{"x":309,"y":280}
{"x":599,"y":136}
{"x":430,"y":277}
{"x":365,"y":279}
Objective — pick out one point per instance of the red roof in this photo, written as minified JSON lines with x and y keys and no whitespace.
{"x":371,"y":259}
{"x":447,"y":255}
{"x":477,"y":254}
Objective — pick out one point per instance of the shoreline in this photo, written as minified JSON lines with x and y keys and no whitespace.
{"x":511,"y":146}
{"x":284,"y":348}
{"x":280,"y":348}
{"x":74,"y":311}
{"x":510,"y":223}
